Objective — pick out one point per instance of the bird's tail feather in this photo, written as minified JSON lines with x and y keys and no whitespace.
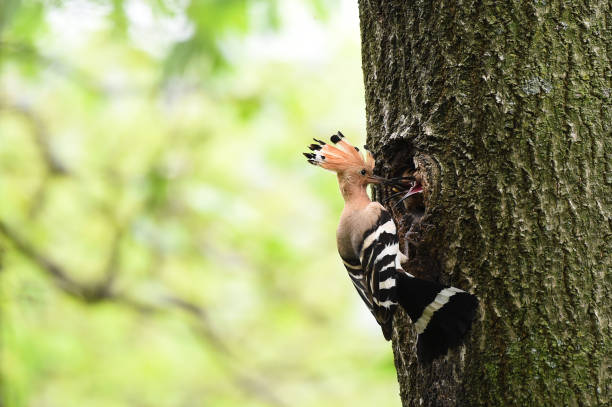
{"x":442,"y":315}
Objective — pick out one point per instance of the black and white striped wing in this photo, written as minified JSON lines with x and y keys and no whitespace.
{"x":359,"y":280}
{"x":353,"y":267}
{"x":379,"y":259}
{"x":441,"y":315}
{"x":373,"y":274}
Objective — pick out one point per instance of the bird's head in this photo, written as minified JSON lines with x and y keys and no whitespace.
{"x":354,"y":170}
{"x":345,"y":160}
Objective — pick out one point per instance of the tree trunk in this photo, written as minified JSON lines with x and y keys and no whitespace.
{"x":507,"y":111}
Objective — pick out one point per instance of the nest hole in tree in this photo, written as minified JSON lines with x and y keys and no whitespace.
{"x":411,"y":213}
{"x":411,"y":210}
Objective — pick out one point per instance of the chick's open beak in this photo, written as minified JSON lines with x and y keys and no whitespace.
{"x":415,"y":189}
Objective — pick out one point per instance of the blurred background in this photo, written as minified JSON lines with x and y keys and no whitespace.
{"x":163,"y":242}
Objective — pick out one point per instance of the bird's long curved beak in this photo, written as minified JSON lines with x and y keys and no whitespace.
{"x":375,"y":179}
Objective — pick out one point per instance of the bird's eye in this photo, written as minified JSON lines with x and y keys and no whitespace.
{"x":363,"y":172}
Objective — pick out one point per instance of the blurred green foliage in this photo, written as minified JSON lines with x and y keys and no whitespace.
{"x":162,"y":240}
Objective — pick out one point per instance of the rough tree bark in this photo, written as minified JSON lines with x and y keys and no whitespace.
{"x":507,"y":109}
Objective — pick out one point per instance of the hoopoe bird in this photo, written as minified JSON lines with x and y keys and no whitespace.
{"x":368,"y":245}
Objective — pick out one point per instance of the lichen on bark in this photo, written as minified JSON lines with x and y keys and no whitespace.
{"x":513,"y":103}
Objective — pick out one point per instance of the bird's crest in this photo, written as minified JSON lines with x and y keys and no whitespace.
{"x":338,"y":157}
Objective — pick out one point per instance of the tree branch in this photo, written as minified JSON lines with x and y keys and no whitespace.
{"x":103,"y":291}
{"x":88,"y":293}
{"x":41,"y":136}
